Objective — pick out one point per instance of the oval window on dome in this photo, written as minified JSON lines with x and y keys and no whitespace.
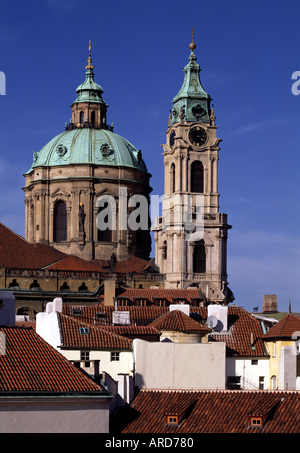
{"x":61,"y":150}
{"x":105,"y":149}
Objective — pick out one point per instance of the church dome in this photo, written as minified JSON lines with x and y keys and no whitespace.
{"x":90,"y":146}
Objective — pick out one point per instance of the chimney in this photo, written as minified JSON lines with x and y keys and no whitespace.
{"x":217,"y":317}
{"x":270,"y":303}
{"x":109,"y":292}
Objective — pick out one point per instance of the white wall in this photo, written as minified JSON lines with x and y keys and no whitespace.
{"x":113,"y":368}
{"x":178,"y":365}
{"x":47,"y":327}
{"x":54,"y":415}
{"x":248,"y":372}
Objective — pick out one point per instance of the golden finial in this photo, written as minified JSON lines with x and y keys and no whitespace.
{"x":89,"y":65}
{"x":192,"y":46}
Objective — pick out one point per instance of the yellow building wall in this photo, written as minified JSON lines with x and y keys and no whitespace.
{"x":274,"y":350}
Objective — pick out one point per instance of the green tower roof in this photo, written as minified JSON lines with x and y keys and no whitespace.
{"x":89,"y":90}
{"x":87,"y":143}
{"x":192,"y":101}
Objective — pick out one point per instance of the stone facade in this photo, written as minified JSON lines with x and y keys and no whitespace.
{"x":192,"y":254}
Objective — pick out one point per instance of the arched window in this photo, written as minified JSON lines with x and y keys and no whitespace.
{"x":82,"y":116}
{"x":197,"y":177}
{"x":93,"y":117}
{"x":165,"y":250}
{"x":60,"y":222}
{"x":172,"y":178}
{"x":199,"y":258}
{"x":104,"y":235}
{"x":274,"y":383}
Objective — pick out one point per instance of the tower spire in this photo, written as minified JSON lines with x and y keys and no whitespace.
{"x":192,"y":46}
{"x":89,"y":65}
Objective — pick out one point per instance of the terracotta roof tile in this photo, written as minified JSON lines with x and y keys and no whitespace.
{"x":30,"y":364}
{"x":238,"y":338}
{"x":170,"y":294}
{"x":74,"y":263}
{"x":16,"y":252}
{"x":226,"y":411}
{"x":96,"y":338}
{"x":178,"y":321}
{"x":285,"y":328}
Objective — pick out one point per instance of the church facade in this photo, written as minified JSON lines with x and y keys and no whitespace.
{"x":191,"y":246}
{"x":89,"y":162}
{"x":75,"y":175}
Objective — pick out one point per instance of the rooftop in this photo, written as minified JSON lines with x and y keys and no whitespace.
{"x":78,"y":334}
{"x":30,"y":364}
{"x":285,"y":328}
{"x":217,"y":411}
{"x":177,"y":321}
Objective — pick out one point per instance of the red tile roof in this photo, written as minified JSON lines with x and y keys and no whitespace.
{"x":16,"y":252}
{"x":177,"y":321}
{"x":133,"y":331}
{"x":285,"y":328}
{"x":225,"y":411}
{"x":30,"y":364}
{"x":238,"y":337}
{"x":170,"y":294}
{"x":140,"y":316}
{"x":96,"y":338}
{"x":74,"y":263}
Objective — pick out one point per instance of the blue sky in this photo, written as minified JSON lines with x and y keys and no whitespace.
{"x":248,"y":51}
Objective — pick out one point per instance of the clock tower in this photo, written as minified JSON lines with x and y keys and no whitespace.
{"x":191,"y":235}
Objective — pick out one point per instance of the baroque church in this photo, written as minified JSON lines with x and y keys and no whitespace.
{"x":89,"y":160}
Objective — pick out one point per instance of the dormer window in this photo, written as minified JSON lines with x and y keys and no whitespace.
{"x":256,"y":421}
{"x":172,"y":419}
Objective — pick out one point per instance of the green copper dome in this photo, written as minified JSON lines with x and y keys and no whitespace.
{"x":89,"y":141}
{"x":89,"y":146}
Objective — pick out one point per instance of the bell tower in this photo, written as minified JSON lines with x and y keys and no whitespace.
{"x":191,"y":235}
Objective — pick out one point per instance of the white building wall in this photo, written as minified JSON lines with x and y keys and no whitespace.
{"x":179,"y":365}
{"x":54,"y":415}
{"x":113,"y":368}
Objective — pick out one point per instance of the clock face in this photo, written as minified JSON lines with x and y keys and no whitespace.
{"x":172,"y":138}
{"x":197,"y":136}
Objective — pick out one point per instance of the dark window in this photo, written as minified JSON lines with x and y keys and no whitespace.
{"x":199,"y":258}
{"x":197,"y":180}
{"x":60,"y":222}
{"x":82,"y":117}
{"x":114,"y":356}
{"x":165,"y":250}
{"x":104,"y":235}
{"x":173,"y":178}
{"x":93,"y":117}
